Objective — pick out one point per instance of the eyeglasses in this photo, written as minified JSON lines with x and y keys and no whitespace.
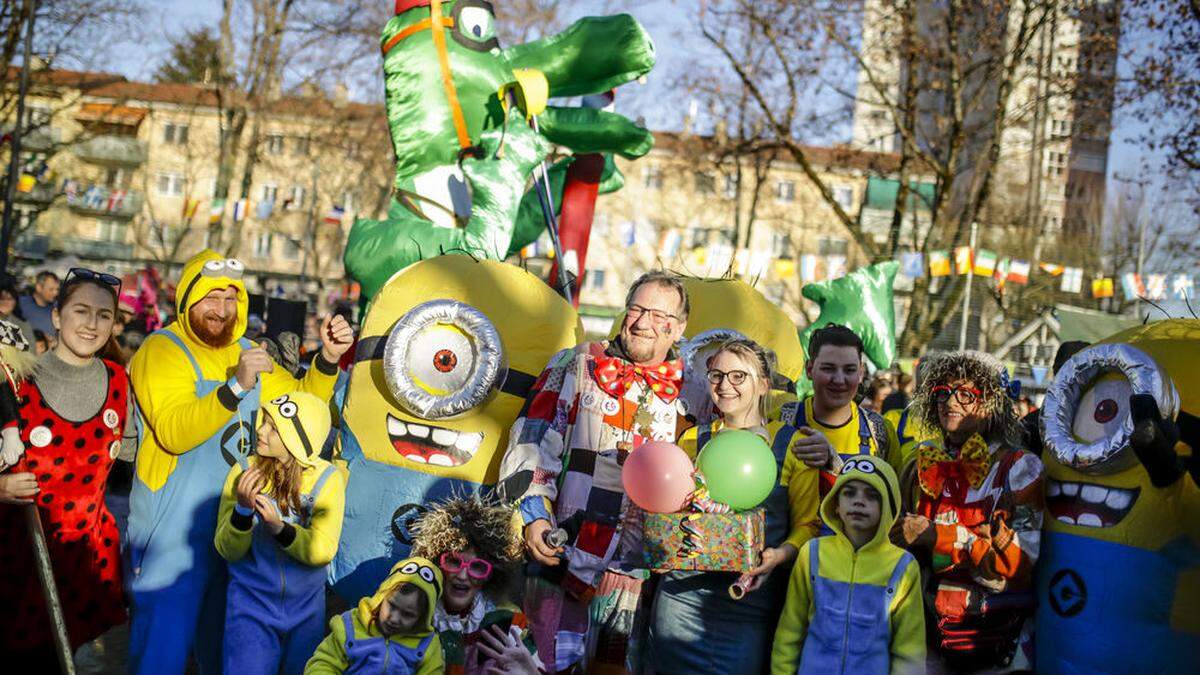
{"x":477,"y":568}
{"x":79,"y":275}
{"x":735,"y":377}
{"x":964,"y":395}
{"x":659,"y":317}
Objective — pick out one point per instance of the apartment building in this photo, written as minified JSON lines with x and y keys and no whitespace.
{"x":125,"y":173}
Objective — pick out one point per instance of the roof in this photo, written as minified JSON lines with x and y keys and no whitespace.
{"x":1076,"y":323}
{"x":836,"y":156}
{"x":110,"y":113}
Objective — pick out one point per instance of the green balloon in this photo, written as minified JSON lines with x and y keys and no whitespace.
{"x":862,"y":302}
{"x":739,"y":469}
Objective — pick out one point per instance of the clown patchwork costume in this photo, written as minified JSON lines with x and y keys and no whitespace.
{"x":195,"y":422}
{"x":589,"y":408}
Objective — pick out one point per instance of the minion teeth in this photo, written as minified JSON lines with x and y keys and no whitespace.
{"x":424,"y":444}
{"x":1088,"y":504}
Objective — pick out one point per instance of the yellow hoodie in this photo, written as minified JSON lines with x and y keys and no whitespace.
{"x":872,"y":564}
{"x":330,"y":656}
{"x":164,"y":381}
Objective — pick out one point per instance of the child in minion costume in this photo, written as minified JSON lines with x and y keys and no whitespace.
{"x":275,"y":614}
{"x":358,"y":641}
{"x":194,"y":422}
{"x":1119,"y":573}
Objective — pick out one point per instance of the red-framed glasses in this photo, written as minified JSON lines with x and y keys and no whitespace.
{"x":477,"y":568}
{"x":964,"y":395}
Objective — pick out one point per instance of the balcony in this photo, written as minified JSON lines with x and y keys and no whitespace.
{"x":40,"y":196}
{"x":104,"y":202}
{"x":124,"y":150}
{"x":43,"y":138}
{"x":95,"y":249}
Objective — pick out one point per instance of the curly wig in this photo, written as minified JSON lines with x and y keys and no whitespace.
{"x":988,"y":375}
{"x":471,"y":522}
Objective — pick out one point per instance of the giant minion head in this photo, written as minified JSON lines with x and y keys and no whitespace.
{"x":730,"y":308}
{"x":449,"y":349}
{"x":1095,"y":485}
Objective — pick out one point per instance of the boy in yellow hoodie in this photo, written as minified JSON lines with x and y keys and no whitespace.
{"x":390,"y":632}
{"x":275,"y":611}
{"x":854,"y":598}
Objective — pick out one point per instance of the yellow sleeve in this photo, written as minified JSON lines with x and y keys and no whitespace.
{"x":315,"y":545}
{"x":231,"y":542}
{"x":893,"y":456}
{"x":793,"y":623}
{"x":164,"y":383}
{"x":688,"y":442}
{"x":320,"y":384}
{"x":433,"y":663}
{"x":330,"y":657}
{"x":908,"y":624}
{"x":803,"y":500}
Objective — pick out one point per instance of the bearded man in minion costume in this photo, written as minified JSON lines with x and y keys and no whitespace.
{"x":198,"y":384}
{"x":1119,"y":577}
{"x":449,"y":349}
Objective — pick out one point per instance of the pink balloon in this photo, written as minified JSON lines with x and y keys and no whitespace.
{"x":658,"y":477}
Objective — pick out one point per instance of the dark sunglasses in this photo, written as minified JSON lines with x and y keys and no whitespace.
{"x":79,"y":275}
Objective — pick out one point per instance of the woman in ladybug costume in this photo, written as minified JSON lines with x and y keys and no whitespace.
{"x":73,"y":414}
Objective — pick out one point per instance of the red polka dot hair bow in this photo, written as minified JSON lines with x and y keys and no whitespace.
{"x":615,"y":376}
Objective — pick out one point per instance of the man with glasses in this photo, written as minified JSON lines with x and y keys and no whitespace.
{"x":198,"y":384}
{"x":831,"y":426}
{"x":592,"y":406}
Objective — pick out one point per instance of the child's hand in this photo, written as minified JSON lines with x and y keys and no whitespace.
{"x":268,"y":514}
{"x":249,"y":486}
{"x":18,"y":488}
{"x":505,"y":653}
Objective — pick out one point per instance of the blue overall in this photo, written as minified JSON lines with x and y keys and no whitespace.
{"x":851,"y":629}
{"x":864,"y":447}
{"x":379,"y":655}
{"x":697,"y":627}
{"x":177,"y":579}
{"x":275,"y":617}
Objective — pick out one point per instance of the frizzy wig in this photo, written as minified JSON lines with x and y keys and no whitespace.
{"x":988,"y":375}
{"x":473,"y":522}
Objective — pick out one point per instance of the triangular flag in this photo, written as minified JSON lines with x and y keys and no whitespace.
{"x":336,"y":214}
{"x":239,"y":210}
{"x":1001,"y":273}
{"x":985,"y":262}
{"x":216,"y":211}
{"x":189,"y":210}
{"x":1018,"y":271}
{"x":939,"y":263}
{"x":962,"y":260}
{"x":1052,"y":269}
{"x":26,"y":183}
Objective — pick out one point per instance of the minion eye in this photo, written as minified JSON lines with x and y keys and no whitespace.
{"x":288,"y":409}
{"x":234,"y":266}
{"x":215,"y":266}
{"x":279,"y":400}
{"x":410,"y":568}
{"x":427,"y":574}
{"x":865,"y":466}
{"x":443,"y":358}
{"x":849,"y":466}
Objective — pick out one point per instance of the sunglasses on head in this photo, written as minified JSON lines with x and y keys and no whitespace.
{"x":477,"y":568}
{"x":79,"y":275}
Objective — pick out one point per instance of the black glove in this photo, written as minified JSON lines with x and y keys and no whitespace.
{"x":1153,"y":441}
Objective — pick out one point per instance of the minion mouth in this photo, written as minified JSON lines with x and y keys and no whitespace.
{"x":424,"y":444}
{"x":1088,"y":504}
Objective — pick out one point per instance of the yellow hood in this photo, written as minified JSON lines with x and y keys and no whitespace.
{"x":419,"y":571}
{"x":205,"y":272}
{"x":877,"y":473}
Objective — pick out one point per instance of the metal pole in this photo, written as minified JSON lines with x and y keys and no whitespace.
{"x":14,"y":159}
{"x":966,"y":308}
{"x":41,"y":554}
{"x":542,"y":186}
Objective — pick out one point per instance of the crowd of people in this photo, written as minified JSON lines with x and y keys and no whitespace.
{"x":901,"y":536}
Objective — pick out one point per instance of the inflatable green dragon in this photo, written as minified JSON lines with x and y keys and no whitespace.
{"x":460,"y":110}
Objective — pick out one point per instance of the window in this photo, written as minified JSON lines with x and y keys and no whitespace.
{"x":785,"y":191}
{"x":291,"y":249}
{"x":594,"y":280}
{"x":706,"y":183}
{"x":1053,"y":224}
{"x":695,"y":237}
{"x":301,"y":146}
{"x":164,"y":235}
{"x":170,"y":184}
{"x":113,"y":231}
{"x":1056,"y":163}
{"x":832,"y":246}
{"x":295,"y":200}
{"x":262,"y":245}
{"x":274,"y":144}
{"x":653,"y":177}
{"x":1060,"y":129}
{"x":175,"y":134}
{"x":270,"y":193}
{"x":844,"y":196}
{"x":116,"y":177}
{"x":781,"y":245}
{"x":731,"y":187}
{"x":37,"y":116}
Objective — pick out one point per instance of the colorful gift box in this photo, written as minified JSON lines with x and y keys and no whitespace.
{"x":726,"y":542}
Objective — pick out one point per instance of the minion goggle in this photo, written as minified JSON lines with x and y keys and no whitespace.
{"x":229,"y":268}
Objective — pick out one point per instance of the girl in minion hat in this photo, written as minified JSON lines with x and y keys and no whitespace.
{"x":278,"y":526}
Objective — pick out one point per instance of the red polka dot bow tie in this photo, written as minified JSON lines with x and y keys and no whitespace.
{"x":937,"y":470}
{"x":615,"y":376}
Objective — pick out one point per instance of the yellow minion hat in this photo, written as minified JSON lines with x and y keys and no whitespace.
{"x":302,"y":421}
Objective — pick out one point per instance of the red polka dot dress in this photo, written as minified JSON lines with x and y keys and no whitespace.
{"x":71,"y":461}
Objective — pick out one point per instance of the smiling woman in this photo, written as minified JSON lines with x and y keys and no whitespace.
{"x":72,"y":420}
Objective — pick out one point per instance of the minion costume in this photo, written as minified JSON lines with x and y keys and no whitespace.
{"x":1118,"y":578}
{"x":853,"y":611}
{"x":276,"y":608}
{"x":356,"y":645}
{"x":194,"y":423}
